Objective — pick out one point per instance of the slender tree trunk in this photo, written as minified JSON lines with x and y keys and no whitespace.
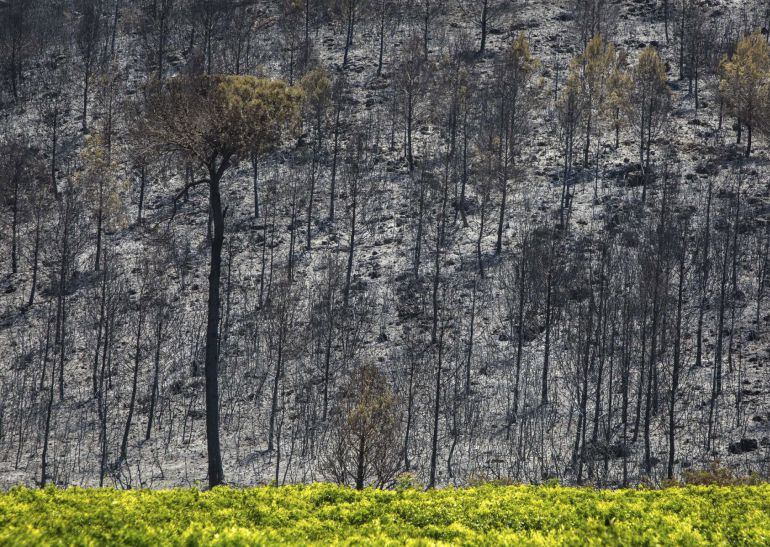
{"x":54,"y":149}
{"x":274,"y":399}
{"x":328,"y":352}
{"x":547,"y":344}
{"x":482,"y":218}
{"x":14,"y":224}
{"x":35,"y":260}
{"x":100,"y":330}
{"x":426,"y":28}
{"x":48,"y":410}
{"x":418,"y":237}
{"x":216,"y":474}
{"x":705,"y":267}
{"x":436,"y":412}
{"x":718,"y":349}
{"x":624,"y":385}
{"x":86,"y":82}
{"x":464,"y":181}
{"x":142,"y":183}
{"x":351,"y":242}
{"x":382,"y":42}
{"x":349,"y":31}
{"x":677,"y":359}
{"x":335,"y":152}
{"x":501,"y":219}
{"x":61,"y":295}
{"x":484,"y":15}
{"x":642,"y":374}
{"x":520,"y":328}
{"x":99,"y":221}
{"x":311,"y":192}
{"x":409,"y":413}
{"x":134,"y":383}
{"x":469,"y":357}
{"x":409,"y":113}
{"x":155,"y":376}
{"x":748,"y":139}
{"x":360,"y":462}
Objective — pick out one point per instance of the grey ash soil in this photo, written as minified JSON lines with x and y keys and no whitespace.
{"x":388,"y":321}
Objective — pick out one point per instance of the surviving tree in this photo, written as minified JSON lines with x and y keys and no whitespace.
{"x":214,"y":122}
{"x":744,"y":77}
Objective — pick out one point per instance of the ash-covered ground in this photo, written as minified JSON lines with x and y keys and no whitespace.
{"x":527,"y":302}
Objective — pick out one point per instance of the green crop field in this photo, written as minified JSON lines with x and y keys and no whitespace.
{"x":324,"y":514}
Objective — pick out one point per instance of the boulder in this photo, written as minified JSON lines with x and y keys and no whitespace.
{"x":742,"y":446}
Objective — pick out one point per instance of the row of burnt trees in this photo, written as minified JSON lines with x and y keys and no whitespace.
{"x":64,"y":207}
{"x":600,"y":93}
{"x":215,"y":36}
{"x":606,"y":340}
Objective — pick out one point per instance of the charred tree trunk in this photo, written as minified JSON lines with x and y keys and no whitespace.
{"x":216,"y":474}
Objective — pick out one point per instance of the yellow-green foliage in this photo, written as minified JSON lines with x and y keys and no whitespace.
{"x":745,"y":77}
{"x":325,"y":514}
{"x":211,"y":117}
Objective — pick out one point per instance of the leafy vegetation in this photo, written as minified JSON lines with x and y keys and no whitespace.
{"x":324,"y":514}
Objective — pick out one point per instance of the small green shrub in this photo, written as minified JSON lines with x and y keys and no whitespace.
{"x":407,"y":481}
{"x":715,"y":474}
